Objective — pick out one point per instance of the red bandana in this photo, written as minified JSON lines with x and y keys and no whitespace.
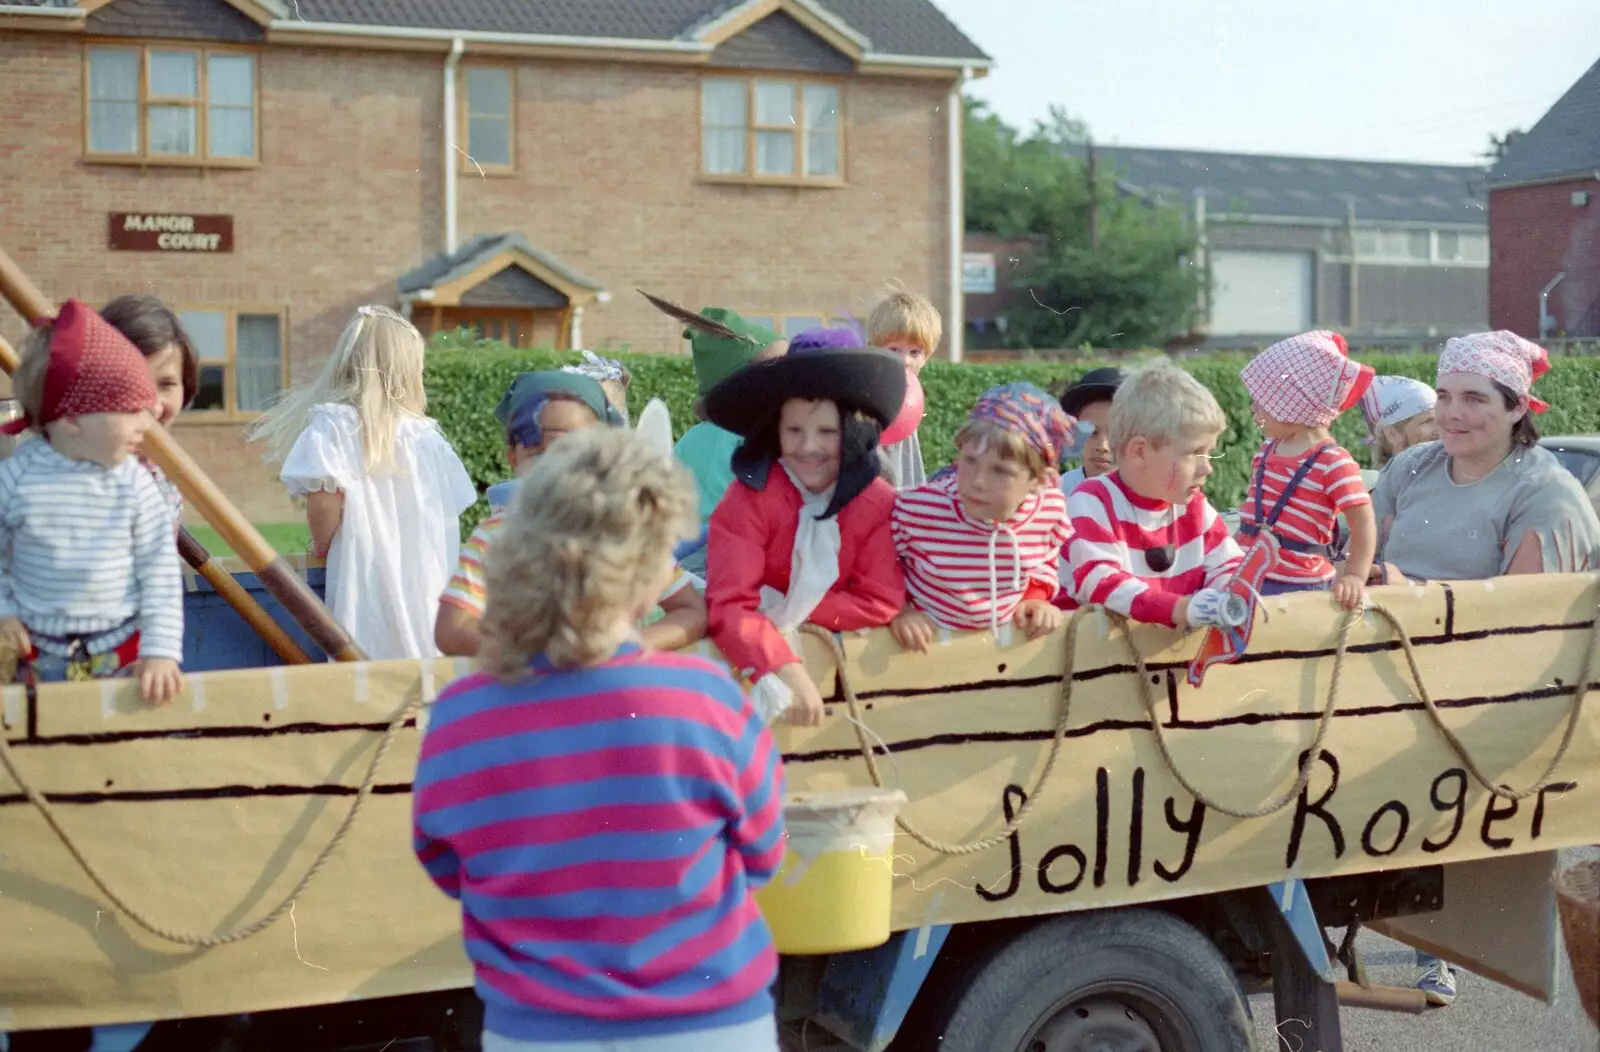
{"x":93,"y":369}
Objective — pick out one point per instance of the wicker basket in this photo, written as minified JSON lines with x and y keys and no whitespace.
{"x":1578,"y":898}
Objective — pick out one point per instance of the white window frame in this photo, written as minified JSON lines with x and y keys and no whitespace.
{"x":1434,"y":257}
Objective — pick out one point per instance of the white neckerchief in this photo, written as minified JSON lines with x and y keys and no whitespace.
{"x":813,"y":570}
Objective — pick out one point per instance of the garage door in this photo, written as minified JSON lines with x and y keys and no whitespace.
{"x":1260,"y":293}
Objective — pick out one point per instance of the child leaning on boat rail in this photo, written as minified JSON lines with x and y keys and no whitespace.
{"x":382,"y":485}
{"x":1145,"y":541}
{"x":1302,"y":480}
{"x":90,"y":586}
{"x":579,"y":766}
{"x":982,"y":543}
{"x":538,"y":409}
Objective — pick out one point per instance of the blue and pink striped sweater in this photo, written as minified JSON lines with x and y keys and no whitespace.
{"x":603,"y":829}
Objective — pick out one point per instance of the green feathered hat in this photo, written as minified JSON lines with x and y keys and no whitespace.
{"x":721,"y":342}
{"x":718,"y":357}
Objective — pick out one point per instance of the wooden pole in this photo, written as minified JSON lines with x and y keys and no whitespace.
{"x":1094,"y":200}
{"x":233,"y":593}
{"x":274,"y":572}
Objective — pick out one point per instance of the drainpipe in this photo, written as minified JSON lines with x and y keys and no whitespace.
{"x":956,"y":316}
{"x":1547,"y":321}
{"x":452,"y":62}
{"x":1203,"y":251}
{"x":1350,"y":232}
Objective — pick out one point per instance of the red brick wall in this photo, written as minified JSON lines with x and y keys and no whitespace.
{"x":1535,"y":233}
{"x":348,"y":196}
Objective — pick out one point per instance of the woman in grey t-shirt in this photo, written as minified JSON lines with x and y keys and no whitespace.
{"x":1485,"y":500}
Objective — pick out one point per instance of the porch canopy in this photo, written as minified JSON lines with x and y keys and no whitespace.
{"x":502,"y":288}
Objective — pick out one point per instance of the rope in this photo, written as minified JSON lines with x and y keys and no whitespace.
{"x":972,"y":847}
{"x":1307,"y":768}
{"x":48,"y":813}
{"x":1580,"y":692}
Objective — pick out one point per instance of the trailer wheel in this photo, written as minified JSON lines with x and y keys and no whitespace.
{"x":1130,"y":980}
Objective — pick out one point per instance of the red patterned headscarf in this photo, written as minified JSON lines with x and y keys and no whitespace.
{"x":1502,"y":356}
{"x":93,"y":369}
{"x":1031,"y":413}
{"x":1307,"y":379}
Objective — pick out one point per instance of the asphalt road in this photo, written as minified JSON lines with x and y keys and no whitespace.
{"x":1486,"y":1017}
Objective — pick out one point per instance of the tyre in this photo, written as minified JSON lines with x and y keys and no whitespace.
{"x":1132,"y":980}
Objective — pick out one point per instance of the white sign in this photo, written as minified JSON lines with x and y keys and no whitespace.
{"x":977,"y":272}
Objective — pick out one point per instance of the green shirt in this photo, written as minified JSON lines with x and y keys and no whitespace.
{"x":707,"y":451}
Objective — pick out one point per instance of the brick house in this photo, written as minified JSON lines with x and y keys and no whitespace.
{"x":1544,"y":222}
{"x":517,"y":166}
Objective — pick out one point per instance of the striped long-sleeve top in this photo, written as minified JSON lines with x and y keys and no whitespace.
{"x":1331,"y":487}
{"x":603,"y":829}
{"x":86,"y":549}
{"x":967,"y":574}
{"x":1114,"y":529}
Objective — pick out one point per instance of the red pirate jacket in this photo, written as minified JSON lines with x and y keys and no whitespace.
{"x":751,"y":544}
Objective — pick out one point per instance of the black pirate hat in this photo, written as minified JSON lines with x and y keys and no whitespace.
{"x":868,"y":379}
{"x":1096,"y":385}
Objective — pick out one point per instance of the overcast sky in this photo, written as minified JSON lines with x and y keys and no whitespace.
{"x":1406,"y":80}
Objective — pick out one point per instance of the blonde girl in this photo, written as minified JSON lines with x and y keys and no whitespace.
{"x":382,"y":487}
{"x":572,"y":730}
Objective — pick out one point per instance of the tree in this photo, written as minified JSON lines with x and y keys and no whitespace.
{"x":1499,"y":144}
{"x":1136,"y":290}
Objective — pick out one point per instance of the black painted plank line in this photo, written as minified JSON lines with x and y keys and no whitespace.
{"x":206,"y":733}
{"x":1248,"y":659}
{"x":1246,"y":719}
{"x":218,"y":792}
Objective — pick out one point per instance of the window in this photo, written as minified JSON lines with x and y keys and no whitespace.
{"x":165,"y":105}
{"x":242,"y":364}
{"x":489,"y":117}
{"x":772,"y":130}
{"x":1467,"y":248}
{"x":790,"y":325}
{"x":1422,"y":247}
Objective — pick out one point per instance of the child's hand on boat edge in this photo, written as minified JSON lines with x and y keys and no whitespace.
{"x":160,"y":682}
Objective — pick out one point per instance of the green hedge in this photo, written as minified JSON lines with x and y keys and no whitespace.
{"x":465,"y":380}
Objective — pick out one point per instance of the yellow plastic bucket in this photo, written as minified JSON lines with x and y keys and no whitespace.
{"x":833,"y":891}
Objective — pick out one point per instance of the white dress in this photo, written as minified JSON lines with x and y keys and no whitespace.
{"x":399,"y":538}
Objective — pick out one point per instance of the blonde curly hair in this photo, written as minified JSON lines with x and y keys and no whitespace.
{"x":588,"y":534}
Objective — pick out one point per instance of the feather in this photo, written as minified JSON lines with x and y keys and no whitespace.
{"x":690,"y":318}
{"x":655,"y":426}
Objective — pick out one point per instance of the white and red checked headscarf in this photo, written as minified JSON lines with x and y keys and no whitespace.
{"x":1502,"y":356}
{"x":93,"y":369}
{"x":1307,"y":379}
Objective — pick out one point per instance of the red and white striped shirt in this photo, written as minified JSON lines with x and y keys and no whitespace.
{"x":1112,"y":530}
{"x":1330,"y":488}
{"x":969,"y":574}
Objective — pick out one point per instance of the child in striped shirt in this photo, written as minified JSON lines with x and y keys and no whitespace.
{"x":602,"y":812}
{"x":1145,"y":541}
{"x":981,"y":545}
{"x":538,"y":409}
{"x":1302,"y":480}
{"x":89,"y":581}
